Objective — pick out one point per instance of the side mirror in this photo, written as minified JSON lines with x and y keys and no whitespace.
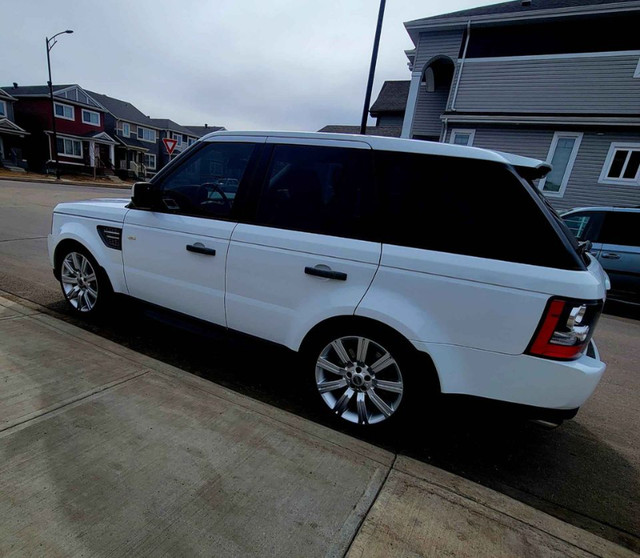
{"x":142,"y":195}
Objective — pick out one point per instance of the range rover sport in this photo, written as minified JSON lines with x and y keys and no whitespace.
{"x":395,"y":267}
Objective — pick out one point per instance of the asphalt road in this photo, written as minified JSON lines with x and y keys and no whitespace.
{"x":586,"y":472}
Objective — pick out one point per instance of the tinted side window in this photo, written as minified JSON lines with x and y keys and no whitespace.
{"x":465,"y":206}
{"x":206,"y":183}
{"x":621,"y":228}
{"x":324,"y":190}
{"x":584,"y":226}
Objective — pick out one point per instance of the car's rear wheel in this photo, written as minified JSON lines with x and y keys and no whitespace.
{"x":362,"y":376}
{"x":84,"y":284}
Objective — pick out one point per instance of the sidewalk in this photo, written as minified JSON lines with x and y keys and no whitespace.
{"x":43,"y":179}
{"x":104,"y":451}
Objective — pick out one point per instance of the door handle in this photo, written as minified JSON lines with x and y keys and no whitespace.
{"x":200,"y":248}
{"x":326,"y":273}
{"x":611,"y":256}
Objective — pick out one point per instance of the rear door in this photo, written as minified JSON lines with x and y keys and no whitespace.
{"x":175,"y":256}
{"x":619,"y":252}
{"x":307,"y":254}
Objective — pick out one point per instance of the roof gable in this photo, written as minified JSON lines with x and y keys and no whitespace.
{"x":76,"y":94}
{"x":123,"y":110}
{"x":392,"y":97}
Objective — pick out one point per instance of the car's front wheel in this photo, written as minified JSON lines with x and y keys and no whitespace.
{"x":361,"y":376}
{"x":84,"y":285}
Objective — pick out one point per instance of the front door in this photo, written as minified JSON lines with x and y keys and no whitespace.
{"x":175,"y":256}
{"x":306,"y":255}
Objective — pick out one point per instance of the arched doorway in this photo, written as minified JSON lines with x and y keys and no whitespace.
{"x":435,"y":86}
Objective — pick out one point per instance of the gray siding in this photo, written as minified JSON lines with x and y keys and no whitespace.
{"x":390,"y":120}
{"x":434,"y":43}
{"x":583,"y":188}
{"x":430,"y":106}
{"x":597,"y":85}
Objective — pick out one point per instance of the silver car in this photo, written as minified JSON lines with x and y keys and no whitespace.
{"x":615,"y":236}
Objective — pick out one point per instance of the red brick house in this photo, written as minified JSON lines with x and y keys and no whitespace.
{"x":82,"y":143}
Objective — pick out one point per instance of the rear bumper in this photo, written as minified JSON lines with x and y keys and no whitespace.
{"x":520,"y":379}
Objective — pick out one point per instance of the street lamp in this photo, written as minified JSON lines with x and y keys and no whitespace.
{"x":372,"y":69}
{"x":50,"y":44}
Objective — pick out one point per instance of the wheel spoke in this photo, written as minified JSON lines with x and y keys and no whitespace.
{"x":332,"y":385}
{"x":362,"y":408}
{"x":90,"y":278}
{"x":382,"y":363}
{"x":338,"y":347}
{"x":395,"y":387}
{"x":363,"y":346}
{"x":69,"y":280}
{"x":92,"y":292}
{"x":69,"y":267}
{"x":83,"y":264}
{"x":87,"y":301}
{"x":379,"y":403}
{"x":329,"y":366}
{"x":74,"y":259}
{"x":342,"y":403}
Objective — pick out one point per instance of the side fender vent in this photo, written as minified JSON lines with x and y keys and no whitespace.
{"x":111,"y":236}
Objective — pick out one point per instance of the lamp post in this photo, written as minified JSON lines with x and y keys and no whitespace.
{"x":50,"y":44}
{"x":372,"y":69}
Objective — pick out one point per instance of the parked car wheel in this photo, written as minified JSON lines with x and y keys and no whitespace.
{"x":361,"y":376}
{"x":84,"y":285}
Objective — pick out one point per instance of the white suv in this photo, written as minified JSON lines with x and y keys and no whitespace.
{"x":395,"y":267}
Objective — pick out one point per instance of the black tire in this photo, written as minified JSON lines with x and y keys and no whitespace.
{"x":368,"y":391}
{"x":85,"y":286}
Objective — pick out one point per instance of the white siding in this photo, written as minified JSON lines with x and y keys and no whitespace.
{"x":598,"y":85}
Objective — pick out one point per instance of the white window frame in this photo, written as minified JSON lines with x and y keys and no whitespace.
{"x":90,"y":112}
{"x":572,"y":159}
{"x":456,"y":131}
{"x":151,"y":167}
{"x":178,"y":137}
{"x":126,"y":134}
{"x":148,"y":130}
{"x":5,"y":111}
{"x":72,"y":154}
{"x":190,"y":141}
{"x":615,"y":146}
{"x":73,"y":111}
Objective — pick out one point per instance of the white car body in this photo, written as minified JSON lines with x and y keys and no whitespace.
{"x":474,"y":317}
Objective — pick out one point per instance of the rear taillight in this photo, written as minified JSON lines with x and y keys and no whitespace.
{"x":565,"y":329}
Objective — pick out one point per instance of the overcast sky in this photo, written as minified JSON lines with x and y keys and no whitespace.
{"x":243,"y":64}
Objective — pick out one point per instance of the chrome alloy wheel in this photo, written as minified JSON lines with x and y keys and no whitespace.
{"x":79,"y":281}
{"x":359,"y":380}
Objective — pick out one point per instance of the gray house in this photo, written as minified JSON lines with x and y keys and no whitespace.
{"x":171,"y":130}
{"x":137,"y":151}
{"x":558,"y":80}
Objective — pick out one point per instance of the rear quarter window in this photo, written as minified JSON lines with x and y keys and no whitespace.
{"x":465,"y":206}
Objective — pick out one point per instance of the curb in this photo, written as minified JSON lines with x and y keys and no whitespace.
{"x":66,"y":182}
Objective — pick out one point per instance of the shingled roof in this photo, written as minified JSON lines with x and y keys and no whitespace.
{"x":517,"y":7}
{"x":167,"y":124}
{"x":123,"y":110}
{"x":392,"y":97}
{"x":204,"y":130}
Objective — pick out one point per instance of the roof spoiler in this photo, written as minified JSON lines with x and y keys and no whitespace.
{"x":527,"y":168}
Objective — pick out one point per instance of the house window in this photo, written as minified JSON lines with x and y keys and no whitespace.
{"x":146,"y":134}
{"x":190,"y":141}
{"x":622,"y":165}
{"x":462,"y":137}
{"x":126,"y":129}
{"x":178,"y":137}
{"x":69,"y":147}
{"x":67,"y":112}
{"x":90,"y":117}
{"x":3,"y":108}
{"x":562,"y":156}
{"x":150,"y":160}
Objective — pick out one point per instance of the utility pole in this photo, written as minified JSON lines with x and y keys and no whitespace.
{"x":372,"y":70}
{"x":50,"y":44}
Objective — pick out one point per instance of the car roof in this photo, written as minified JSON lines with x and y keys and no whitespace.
{"x":635,"y":209}
{"x":398,"y":144}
